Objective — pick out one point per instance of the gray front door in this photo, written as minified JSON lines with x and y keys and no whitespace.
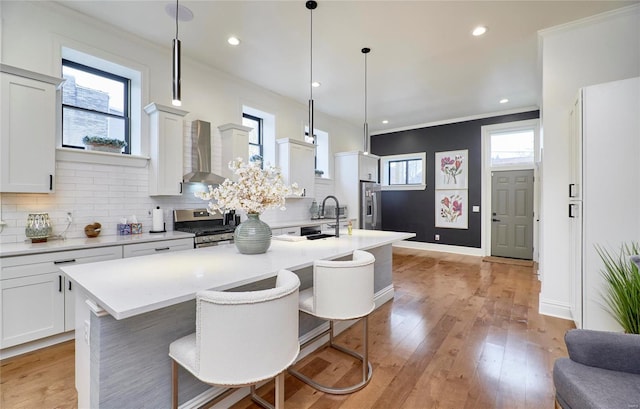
{"x":512,"y":214}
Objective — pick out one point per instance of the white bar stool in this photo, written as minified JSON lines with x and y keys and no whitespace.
{"x":241,"y":339}
{"x":342,"y":290}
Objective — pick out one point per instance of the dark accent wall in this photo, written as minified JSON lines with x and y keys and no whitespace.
{"x":414,"y":210}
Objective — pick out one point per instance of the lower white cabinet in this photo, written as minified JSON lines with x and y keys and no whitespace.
{"x":36,"y":298}
{"x":156,"y":247}
{"x":32,"y":308}
{"x":291,"y":231}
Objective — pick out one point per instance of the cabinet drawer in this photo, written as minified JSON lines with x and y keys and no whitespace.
{"x":144,"y":249}
{"x":23,"y":266}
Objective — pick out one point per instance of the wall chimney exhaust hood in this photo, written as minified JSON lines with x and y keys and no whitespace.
{"x":201,"y":156}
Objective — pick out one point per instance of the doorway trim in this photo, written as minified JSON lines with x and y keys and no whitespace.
{"x":485,"y":222}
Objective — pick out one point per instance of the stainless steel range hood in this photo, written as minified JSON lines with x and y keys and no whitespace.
{"x":201,"y":156}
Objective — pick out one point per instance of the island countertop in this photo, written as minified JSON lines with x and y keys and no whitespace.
{"x":128,"y":287}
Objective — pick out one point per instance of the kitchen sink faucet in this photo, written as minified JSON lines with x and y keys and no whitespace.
{"x":337,"y":212}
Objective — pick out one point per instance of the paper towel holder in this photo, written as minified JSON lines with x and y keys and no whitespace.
{"x":164,"y":225}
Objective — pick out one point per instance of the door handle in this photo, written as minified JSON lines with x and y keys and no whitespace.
{"x":495,"y":220}
{"x":375,"y":209}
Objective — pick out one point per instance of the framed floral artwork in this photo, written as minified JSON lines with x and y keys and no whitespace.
{"x":451,"y":169}
{"x":452,"y":209}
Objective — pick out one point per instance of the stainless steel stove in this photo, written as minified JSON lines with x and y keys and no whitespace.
{"x":210,"y":230}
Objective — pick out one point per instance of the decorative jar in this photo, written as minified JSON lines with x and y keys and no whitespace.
{"x":252,"y":236}
{"x":38,"y":226}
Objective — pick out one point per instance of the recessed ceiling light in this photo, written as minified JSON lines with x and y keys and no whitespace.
{"x":315,"y":84}
{"x":385,"y":121}
{"x":504,"y":100}
{"x":233,"y":40}
{"x":478,"y":31}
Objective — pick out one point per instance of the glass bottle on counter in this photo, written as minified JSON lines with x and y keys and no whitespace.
{"x":314,"y":211}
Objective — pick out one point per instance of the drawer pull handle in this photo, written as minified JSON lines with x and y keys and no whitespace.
{"x":163,"y":248}
{"x":71,"y":260}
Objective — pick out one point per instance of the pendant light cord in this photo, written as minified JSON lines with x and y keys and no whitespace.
{"x":177,"y":10}
{"x":311,"y":56}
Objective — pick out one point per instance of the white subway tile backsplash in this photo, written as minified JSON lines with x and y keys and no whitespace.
{"x":106,"y":194}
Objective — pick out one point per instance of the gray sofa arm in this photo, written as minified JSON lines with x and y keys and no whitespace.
{"x":608,"y":350}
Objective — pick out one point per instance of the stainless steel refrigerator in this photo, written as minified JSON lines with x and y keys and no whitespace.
{"x":370,"y":206}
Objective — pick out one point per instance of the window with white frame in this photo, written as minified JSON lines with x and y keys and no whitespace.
{"x":404,"y":172}
{"x":264,"y":140}
{"x":121,"y":118}
{"x":95,"y":103}
{"x":256,"y":137}
{"x":321,"y":140}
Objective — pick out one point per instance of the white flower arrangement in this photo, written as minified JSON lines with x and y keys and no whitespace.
{"x":255,"y":191}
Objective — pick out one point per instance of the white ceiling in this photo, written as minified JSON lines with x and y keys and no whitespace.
{"x":424,"y":64}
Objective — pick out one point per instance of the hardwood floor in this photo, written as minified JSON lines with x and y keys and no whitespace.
{"x":460,"y":333}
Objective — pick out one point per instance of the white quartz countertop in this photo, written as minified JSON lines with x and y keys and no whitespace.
{"x":27,"y":248}
{"x":133,"y":286}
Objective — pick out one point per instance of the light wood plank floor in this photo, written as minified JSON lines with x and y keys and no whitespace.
{"x":460,"y":333}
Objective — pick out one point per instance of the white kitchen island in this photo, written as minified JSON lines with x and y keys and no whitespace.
{"x":129,"y":311}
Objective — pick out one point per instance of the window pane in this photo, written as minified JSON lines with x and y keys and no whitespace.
{"x":509,"y":148}
{"x":397,"y":172}
{"x":414,"y":171}
{"x":254,"y":136}
{"x":78,"y":124}
{"x":91,"y":91}
{"x":254,"y":150}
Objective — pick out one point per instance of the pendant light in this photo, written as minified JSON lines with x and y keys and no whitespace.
{"x":311,"y":5}
{"x":177,"y":47}
{"x":366,"y":141}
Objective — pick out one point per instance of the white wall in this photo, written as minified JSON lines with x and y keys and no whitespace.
{"x":31,"y":36}
{"x":600,"y":49}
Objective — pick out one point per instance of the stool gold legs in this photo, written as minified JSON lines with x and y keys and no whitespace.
{"x":367,"y":371}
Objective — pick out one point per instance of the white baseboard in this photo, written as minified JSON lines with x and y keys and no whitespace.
{"x":445,"y":248}
{"x":555,"y":309}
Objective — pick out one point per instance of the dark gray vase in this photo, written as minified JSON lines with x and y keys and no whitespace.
{"x":252,"y":236}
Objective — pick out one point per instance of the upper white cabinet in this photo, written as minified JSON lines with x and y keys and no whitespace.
{"x":296,"y":161}
{"x":28,"y":130}
{"x":368,"y":167}
{"x":235,"y":144}
{"x":165,"y":150}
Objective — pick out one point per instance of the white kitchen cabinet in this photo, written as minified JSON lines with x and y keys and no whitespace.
{"x":603,"y":210}
{"x":165,"y":149}
{"x":28,"y":130}
{"x":351,"y":168}
{"x":291,"y":231}
{"x":156,"y":247}
{"x":296,"y":161}
{"x":32,"y":308}
{"x":235,"y":144}
{"x":368,"y":167}
{"x":37,"y":300}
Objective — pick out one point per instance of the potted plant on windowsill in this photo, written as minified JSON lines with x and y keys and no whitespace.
{"x":98,"y":143}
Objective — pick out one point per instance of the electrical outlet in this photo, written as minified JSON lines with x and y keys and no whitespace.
{"x":437,"y":237}
{"x":87,"y":331}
